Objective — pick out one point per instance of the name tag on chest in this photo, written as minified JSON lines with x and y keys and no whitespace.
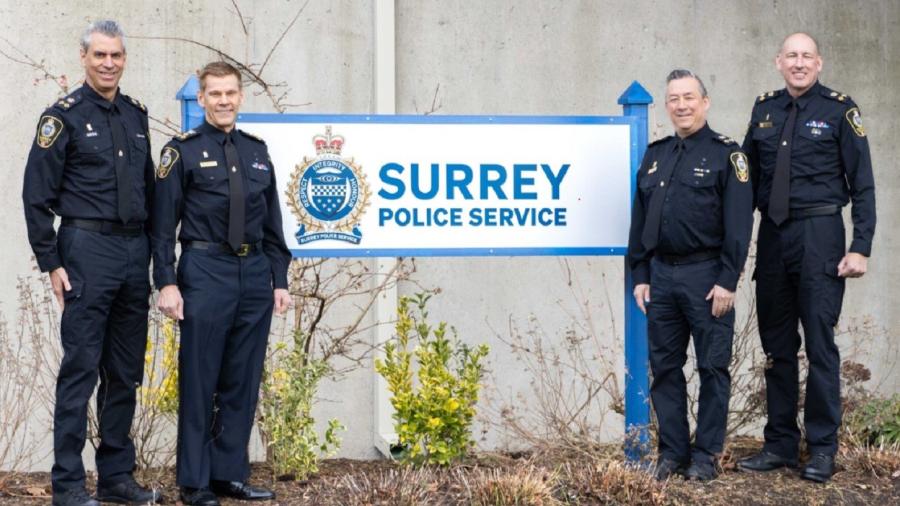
{"x":209,"y":163}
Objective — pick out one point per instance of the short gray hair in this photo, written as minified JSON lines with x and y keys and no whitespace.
{"x":681,"y":74}
{"x":107,"y":27}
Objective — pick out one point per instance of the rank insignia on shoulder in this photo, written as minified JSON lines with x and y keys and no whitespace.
{"x":48,"y":131}
{"x":741,"y":166}
{"x":186,"y":135}
{"x":652,"y":168}
{"x":855,"y":120}
{"x":138,"y":104}
{"x":166,"y":162}
{"x":724,"y":139}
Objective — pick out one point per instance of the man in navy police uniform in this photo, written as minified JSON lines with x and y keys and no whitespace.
{"x":810,"y":157}
{"x":690,"y":230}
{"x":219,"y":183}
{"x":90,"y":164}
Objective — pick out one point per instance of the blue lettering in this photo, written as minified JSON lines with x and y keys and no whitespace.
{"x":460,"y":184}
{"x":416,"y":185}
{"x":495,"y":184}
{"x":387,"y":179}
{"x":520,"y":180}
{"x":555,"y":180}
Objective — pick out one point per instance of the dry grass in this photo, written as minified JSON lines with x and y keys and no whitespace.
{"x":521,"y":486}
{"x":612,"y":482}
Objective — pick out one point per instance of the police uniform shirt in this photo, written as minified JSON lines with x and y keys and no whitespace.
{"x":192,"y":187}
{"x":830,"y":161}
{"x":708,"y":205}
{"x":71,"y":168}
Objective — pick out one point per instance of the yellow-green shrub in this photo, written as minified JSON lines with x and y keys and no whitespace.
{"x":161,"y":370}
{"x":432,"y":418}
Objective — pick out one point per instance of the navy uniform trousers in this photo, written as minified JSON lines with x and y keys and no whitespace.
{"x":103,"y":329}
{"x":228,"y":304}
{"x":678,"y":309}
{"x":796,"y":280}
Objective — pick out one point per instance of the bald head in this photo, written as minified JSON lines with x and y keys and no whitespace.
{"x":799,"y":63}
{"x":799,"y":38}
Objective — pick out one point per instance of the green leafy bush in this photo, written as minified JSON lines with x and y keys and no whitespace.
{"x":876,"y":421}
{"x":288,"y":394}
{"x":433,"y":417}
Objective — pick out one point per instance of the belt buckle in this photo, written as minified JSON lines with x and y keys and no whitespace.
{"x":243,"y":251}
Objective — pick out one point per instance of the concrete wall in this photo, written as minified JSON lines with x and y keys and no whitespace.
{"x":490,"y":57}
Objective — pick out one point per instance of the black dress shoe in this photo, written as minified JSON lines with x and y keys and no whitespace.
{"x":198,"y":497}
{"x":74,"y":497}
{"x":665,"y":468}
{"x":127,"y":491}
{"x":819,"y":468}
{"x":704,"y":470}
{"x":765,"y":461}
{"x":241,"y":490}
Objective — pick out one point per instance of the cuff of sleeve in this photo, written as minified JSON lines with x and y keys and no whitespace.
{"x":728,"y":280}
{"x":281,"y":282}
{"x":864,"y":248}
{"x":49,"y":263}
{"x":640,"y":275}
{"x":165,"y":277}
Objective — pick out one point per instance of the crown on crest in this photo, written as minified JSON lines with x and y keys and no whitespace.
{"x":328,"y":144}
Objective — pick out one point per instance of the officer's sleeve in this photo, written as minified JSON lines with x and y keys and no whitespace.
{"x":638,"y":257}
{"x":168,"y":202}
{"x":273,"y":236}
{"x":750,"y":150}
{"x":737,"y":213}
{"x":43,"y":177}
{"x":858,"y":172}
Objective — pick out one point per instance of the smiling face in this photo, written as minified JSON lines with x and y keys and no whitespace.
{"x":221,"y":98}
{"x":799,"y":62}
{"x":686,"y":105}
{"x":104,"y":62}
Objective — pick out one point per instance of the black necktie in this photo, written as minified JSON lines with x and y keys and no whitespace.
{"x":650,"y":236}
{"x":120,"y":155}
{"x":779,"y":205}
{"x":236,"y":194}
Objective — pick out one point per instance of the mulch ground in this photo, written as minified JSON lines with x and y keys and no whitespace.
{"x":353,"y":482}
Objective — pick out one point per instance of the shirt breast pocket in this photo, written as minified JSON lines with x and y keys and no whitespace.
{"x":648,"y":184}
{"x":259,"y":179}
{"x":813,"y":141}
{"x":95,"y":149}
{"x":138,"y":151}
{"x":700,"y":179}
{"x":210,"y":178}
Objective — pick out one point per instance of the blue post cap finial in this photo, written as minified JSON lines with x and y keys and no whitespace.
{"x":635,"y":94}
{"x":191,"y":112}
{"x":189,"y":90}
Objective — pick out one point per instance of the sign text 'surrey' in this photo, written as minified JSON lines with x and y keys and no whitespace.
{"x":458,"y":181}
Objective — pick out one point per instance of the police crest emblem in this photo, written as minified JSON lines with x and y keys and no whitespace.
{"x":328,"y":194}
{"x":48,"y":131}
{"x":741,"y":166}
{"x":855,"y":120}
{"x":166,"y":161}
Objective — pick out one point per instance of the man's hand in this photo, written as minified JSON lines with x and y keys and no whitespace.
{"x":642,"y":296}
{"x":170,"y":302}
{"x":59,"y":280}
{"x":723,"y":300}
{"x":282,"y":300}
{"x":853,"y":265}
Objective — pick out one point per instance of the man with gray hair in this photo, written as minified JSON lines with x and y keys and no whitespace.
{"x":690,"y":230}
{"x":90,"y":165}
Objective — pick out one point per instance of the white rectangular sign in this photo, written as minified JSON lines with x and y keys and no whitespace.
{"x":451,"y":185}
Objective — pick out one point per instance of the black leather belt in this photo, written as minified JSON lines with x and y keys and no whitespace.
{"x":808,"y":212}
{"x":219,"y":247}
{"x":691,"y":258}
{"x":105,"y":227}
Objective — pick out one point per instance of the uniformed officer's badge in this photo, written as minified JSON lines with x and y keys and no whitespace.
{"x":855,"y":120}
{"x":48,"y":131}
{"x":166,"y":162}
{"x":741,"y":166}
{"x":328,"y":194}
{"x":652,"y":168}
{"x":260,"y":166}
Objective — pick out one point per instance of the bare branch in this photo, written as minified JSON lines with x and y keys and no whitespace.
{"x":281,"y":37}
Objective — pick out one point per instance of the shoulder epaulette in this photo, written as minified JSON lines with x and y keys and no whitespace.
{"x":835,"y":95}
{"x":135,"y":102}
{"x":659,"y":141}
{"x":68,"y":102}
{"x":183,"y":136}
{"x":767,"y":95}
{"x":724,"y":139}
{"x":254,"y":137}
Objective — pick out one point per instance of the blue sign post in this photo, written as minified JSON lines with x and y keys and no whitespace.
{"x":635,"y":102}
{"x":191,"y":112}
